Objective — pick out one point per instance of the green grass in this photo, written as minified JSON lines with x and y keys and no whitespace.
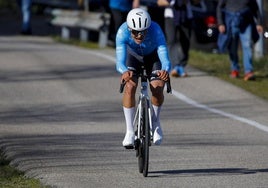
{"x":218,"y":65}
{"x":12,"y":178}
{"x":75,"y":42}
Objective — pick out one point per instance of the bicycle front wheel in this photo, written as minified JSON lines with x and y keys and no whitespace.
{"x":143,"y":158}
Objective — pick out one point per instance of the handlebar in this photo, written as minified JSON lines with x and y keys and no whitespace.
{"x":169,"y":90}
{"x":122,"y":85}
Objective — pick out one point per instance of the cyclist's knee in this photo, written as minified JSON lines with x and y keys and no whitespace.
{"x":157,"y":91}
{"x":157,"y":88}
{"x":157,"y":100}
{"x":157,"y":96}
{"x":130,"y":87}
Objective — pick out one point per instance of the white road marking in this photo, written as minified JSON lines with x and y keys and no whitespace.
{"x":216,"y":111}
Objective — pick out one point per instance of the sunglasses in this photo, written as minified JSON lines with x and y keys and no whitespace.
{"x":136,"y":33}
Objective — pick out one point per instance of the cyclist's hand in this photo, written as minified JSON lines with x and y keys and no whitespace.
{"x":126,"y":76}
{"x":163,"y":75}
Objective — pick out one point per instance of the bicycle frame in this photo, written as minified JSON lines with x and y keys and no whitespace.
{"x":143,"y":95}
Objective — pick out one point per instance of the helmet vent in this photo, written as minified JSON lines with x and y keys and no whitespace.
{"x":133,"y":23}
{"x":140,"y":22}
{"x":145,"y":23}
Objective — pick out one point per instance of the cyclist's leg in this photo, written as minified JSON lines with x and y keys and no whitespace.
{"x":133,"y":64}
{"x":157,"y":99}
{"x":153,"y":65}
{"x":157,"y":87}
{"x":128,"y":102}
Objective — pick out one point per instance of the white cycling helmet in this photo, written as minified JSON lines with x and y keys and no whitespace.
{"x":138,"y":19}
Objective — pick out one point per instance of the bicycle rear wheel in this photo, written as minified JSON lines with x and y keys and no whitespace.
{"x":143,"y":157}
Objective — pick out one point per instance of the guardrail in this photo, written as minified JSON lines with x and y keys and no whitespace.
{"x":85,"y":21}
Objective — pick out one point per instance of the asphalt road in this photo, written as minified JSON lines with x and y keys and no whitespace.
{"x":61,"y":121}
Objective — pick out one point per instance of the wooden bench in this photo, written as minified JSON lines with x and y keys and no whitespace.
{"x":85,"y":21}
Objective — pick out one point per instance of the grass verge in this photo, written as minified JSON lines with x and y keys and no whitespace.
{"x":12,"y":178}
{"x":75,"y":42}
{"x":218,"y":65}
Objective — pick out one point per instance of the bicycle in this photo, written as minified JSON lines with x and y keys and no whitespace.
{"x":143,"y":122}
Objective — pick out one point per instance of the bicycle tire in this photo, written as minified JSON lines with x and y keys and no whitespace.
{"x":141,"y":142}
{"x":145,"y":142}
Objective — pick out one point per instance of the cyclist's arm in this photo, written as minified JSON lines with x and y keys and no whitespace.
{"x":121,"y":50}
{"x":121,"y":59}
{"x":164,"y":58}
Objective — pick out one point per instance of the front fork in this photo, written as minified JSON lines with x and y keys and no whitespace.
{"x":137,"y":121}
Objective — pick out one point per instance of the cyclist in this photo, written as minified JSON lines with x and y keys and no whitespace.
{"x":141,"y":41}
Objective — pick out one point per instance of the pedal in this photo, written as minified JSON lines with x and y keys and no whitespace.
{"x":136,"y":143}
{"x":129,"y":147}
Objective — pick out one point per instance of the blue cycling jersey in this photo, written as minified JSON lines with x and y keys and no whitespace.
{"x":154,"y":40}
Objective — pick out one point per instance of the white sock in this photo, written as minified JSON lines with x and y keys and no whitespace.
{"x":129,"y":117}
{"x":157,"y":110}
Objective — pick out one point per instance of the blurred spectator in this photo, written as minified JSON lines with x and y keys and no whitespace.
{"x":178,"y":22}
{"x":25,"y":7}
{"x":119,"y":10}
{"x":80,"y":2}
{"x":237,"y":21}
{"x":198,"y":6}
{"x":157,"y":15}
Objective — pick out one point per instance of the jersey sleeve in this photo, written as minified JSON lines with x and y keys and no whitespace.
{"x":121,"y":49}
{"x":164,"y":58}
